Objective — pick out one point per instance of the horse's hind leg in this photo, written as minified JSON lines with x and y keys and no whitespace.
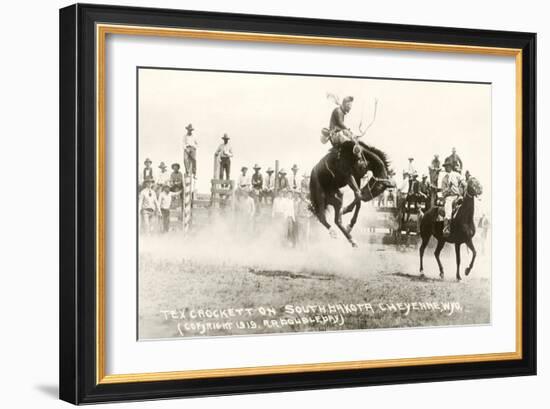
{"x":440,"y":244}
{"x":425,"y":241}
{"x":336,"y":201}
{"x":470,"y":245}
{"x":320,"y":208}
{"x":354,"y":217}
{"x":457,"y":252}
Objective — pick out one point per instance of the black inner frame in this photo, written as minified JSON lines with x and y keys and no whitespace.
{"x":78,"y":197}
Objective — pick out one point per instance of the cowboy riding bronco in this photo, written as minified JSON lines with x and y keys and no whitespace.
{"x":338,"y":133}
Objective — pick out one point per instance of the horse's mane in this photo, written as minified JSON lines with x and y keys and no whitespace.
{"x":378,"y":159}
{"x":382,"y":155}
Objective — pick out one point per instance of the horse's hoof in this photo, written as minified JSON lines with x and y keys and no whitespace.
{"x":458,"y":279}
{"x":332,"y":233}
{"x":353,"y":244}
{"x":441,"y":276}
{"x":467,"y":271}
{"x":422,"y":275}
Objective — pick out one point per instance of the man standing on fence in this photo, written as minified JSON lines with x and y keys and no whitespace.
{"x":224,"y":153}
{"x":190,"y":152}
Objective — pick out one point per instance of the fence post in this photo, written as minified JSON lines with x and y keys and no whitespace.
{"x":276,"y":184}
{"x":187,"y":202}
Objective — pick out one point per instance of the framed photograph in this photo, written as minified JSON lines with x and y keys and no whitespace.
{"x":257,"y":203}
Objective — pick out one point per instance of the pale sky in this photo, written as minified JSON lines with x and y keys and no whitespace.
{"x":271,"y":117}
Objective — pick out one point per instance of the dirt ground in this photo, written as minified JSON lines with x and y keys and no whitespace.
{"x":220,"y":282}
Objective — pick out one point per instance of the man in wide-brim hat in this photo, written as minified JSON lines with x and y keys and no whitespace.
{"x":190,"y":151}
{"x":147,"y":173}
{"x":244,"y":180}
{"x":283,"y":181}
{"x":176,"y":178}
{"x":269,"y":185}
{"x":163,"y":176}
{"x":224,"y":153}
{"x":257,"y":185}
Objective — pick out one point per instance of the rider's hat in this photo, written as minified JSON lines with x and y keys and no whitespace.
{"x":448,"y":162}
{"x":244,"y":168}
{"x":225,"y":137}
{"x":270,"y":170}
{"x":347,"y":99}
{"x":162,"y":165}
{"x":294,"y":167}
{"x":175,"y":165}
{"x":190,"y":127}
{"x":147,"y":161}
{"x":256,"y":166}
{"x":282,"y":172}
{"x":424,"y":176}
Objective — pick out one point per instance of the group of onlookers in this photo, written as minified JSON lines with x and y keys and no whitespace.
{"x":158,"y":192}
{"x":278,"y":198}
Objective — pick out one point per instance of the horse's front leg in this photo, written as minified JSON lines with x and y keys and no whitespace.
{"x":350,"y":207}
{"x":354,"y":217}
{"x":470,"y":245}
{"x":336,"y":202}
{"x":440,"y":244}
{"x":354,"y":186}
{"x":457,"y":252}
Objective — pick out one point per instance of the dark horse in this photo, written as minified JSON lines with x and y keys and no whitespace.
{"x":463,"y":229}
{"x":335,"y":171}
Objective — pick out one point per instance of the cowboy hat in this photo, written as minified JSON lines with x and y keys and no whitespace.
{"x":270,"y":170}
{"x":244,"y":168}
{"x":424,"y":176}
{"x":448,"y":162}
{"x":162,"y":165}
{"x":147,"y":160}
{"x":225,"y":137}
{"x":282,"y":172}
{"x":190,"y":127}
{"x":294,"y":167}
{"x":347,"y":99}
{"x":174,"y":165}
{"x":256,"y":166}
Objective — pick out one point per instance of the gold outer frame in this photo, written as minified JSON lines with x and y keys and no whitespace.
{"x":102,"y":30}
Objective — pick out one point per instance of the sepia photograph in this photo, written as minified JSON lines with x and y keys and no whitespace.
{"x":276,"y":203}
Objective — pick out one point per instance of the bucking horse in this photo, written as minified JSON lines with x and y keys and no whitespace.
{"x":352,"y":160}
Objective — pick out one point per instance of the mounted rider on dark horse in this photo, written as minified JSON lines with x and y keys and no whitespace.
{"x":347,"y":163}
{"x":461,"y":227}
